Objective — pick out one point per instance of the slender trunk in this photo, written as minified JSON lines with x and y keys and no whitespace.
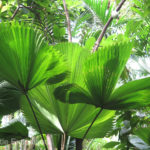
{"x":68,"y":21}
{"x":63,"y":141}
{"x":68,"y":142}
{"x":22,"y":144}
{"x":37,"y":122}
{"x":105,"y":28}
{"x":17,"y":146}
{"x":10,"y":117}
{"x":26,"y":145}
{"x":79,"y":144}
{"x":32,"y":145}
{"x":92,"y":123}
{"x":49,"y":142}
{"x":15,"y":13}
{"x":10,"y":147}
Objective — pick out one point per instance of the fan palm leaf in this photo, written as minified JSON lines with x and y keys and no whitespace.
{"x":14,"y":130}
{"x":26,"y":60}
{"x":57,"y":118}
{"x":9,"y":99}
{"x":101,"y":73}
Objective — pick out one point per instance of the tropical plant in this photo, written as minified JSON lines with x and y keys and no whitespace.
{"x":101,"y":74}
{"x":27,"y":60}
{"x":37,"y":69}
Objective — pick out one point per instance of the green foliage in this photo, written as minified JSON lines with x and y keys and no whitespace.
{"x":101,"y":73}
{"x":100,"y":8}
{"x":25,"y":58}
{"x":142,"y":7}
{"x":144,"y":134}
{"x":132,"y":94}
{"x":56,"y":117}
{"x":75,"y":57}
{"x":9,"y":99}
{"x":14,"y":131}
{"x":111,"y":144}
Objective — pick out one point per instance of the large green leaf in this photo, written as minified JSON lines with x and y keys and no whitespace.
{"x":57,"y":117}
{"x":132,"y":94}
{"x":101,"y":73}
{"x":75,"y":55}
{"x":100,"y":8}
{"x":9,"y":99}
{"x":14,"y":131}
{"x":103,"y":70}
{"x":26,"y":60}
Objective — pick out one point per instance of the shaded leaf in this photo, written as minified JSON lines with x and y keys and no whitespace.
{"x":57,"y":117}
{"x":132,"y":94}
{"x":9,"y":99}
{"x":14,"y":131}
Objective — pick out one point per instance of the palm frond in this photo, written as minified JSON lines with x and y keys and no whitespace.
{"x":25,"y":57}
{"x":13,"y":131}
{"x":57,"y":117}
{"x":100,"y":8}
{"x":134,"y":93}
{"x":103,"y":70}
{"x":9,"y":99}
{"x":75,"y":56}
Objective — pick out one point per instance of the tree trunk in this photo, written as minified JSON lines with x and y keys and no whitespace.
{"x":49,"y":142}
{"x":32,"y":145}
{"x":68,"y":21}
{"x":17,"y":146}
{"x":79,"y":144}
{"x":10,"y":147}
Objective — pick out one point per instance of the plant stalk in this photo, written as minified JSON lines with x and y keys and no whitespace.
{"x":105,"y":28}
{"x":68,"y":21}
{"x":79,"y":144}
{"x":92,"y":123}
{"x":63,"y":141}
{"x":68,"y":142}
{"x":15,"y":13}
{"x":37,"y":122}
{"x":49,"y":142}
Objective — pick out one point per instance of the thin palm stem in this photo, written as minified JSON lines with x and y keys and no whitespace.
{"x":68,"y":21}
{"x":37,"y":122}
{"x":92,"y":123}
{"x":105,"y":28}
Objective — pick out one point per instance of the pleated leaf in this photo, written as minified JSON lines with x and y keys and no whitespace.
{"x":26,"y":60}
{"x":73,"y":119}
{"x":103,"y":70}
{"x":75,"y":55}
{"x":132,"y":94}
{"x":101,"y":8}
{"x":9,"y":99}
{"x":14,"y":131}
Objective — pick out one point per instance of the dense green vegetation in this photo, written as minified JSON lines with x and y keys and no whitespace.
{"x":68,"y":77}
